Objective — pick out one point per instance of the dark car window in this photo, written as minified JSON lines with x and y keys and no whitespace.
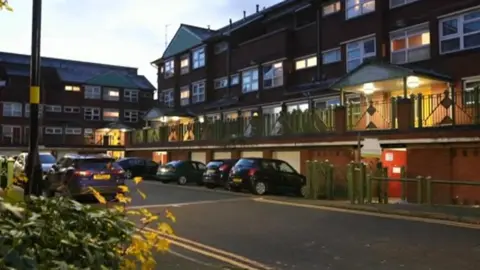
{"x":285,"y":167}
{"x":93,"y":164}
{"x":173,"y":163}
{"x":200,"y":166}
{"x":151,"y":163}
{"x":215,"y":164}
{"x":269,"y":165}
{"x":245,"y":163}
{"x":136,"y":162}
{"x":47,"y":159}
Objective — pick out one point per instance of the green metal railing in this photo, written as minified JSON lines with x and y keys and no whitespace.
{"x":430,"y":182}
{"x":6,"y":172}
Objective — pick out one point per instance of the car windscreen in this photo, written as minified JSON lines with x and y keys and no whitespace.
{"x":47,"y":159}
{"x":215,"y":164}
{"x":97,"y":164}
{"x":173,"y":164}
{"x":245,"y":163}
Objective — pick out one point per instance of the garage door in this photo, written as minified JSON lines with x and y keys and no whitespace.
{"x":291,"y":157}
{"x":199,"y":156}
{"x":222,"y":155}
{"x":254,"y":154}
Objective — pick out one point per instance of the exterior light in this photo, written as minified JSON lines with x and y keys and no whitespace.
{"x":123,"y":130}
{"x":201,"y":119}
{"x":255,"y":114}
{"x":175,"y":118}
{"x":163,"y":119}
{"x":413,"y":82}
{"x":368,"y":88}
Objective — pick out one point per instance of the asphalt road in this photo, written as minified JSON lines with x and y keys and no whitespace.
{"x":289,"y":237}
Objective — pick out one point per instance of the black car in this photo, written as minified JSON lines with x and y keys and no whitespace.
{"x":260,"y":175}
{"x":182,"y":172}
{"x":217,"y":172}
{"x":134,"y":166}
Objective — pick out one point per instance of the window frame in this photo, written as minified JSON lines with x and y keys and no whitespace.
{"x":407,"y":33}
{"x":131,"y":116}
{"x":337,"y":7}
{"x":168,"y":97}
{"x":337,"y":50}
{"x":169,"y":68}
{"x":198,"y":94}
{"x":53,"y":130}
{"x":249,"y":73}
{"x":198,"y":58}
{"x":109,"y":118}
{"x":72,"y":88}
{"x":95,"y":113}
{"x":460,"y":35}
{"x":26,"y":110}
{"x":131,"y":95}
{"x":15,"y":112}
{"x":185,"y":101}
{"x":53,"y":108}
{"x":106,"y":94}
{"x":73,"y":109}
{"x":405,"y":2}
{"x":273,"y":78}
{"x":234,"y":77}
{"x":361,"y":46}
{"x":92,"y":92}
{"x":360,"y":4}
{"x":73,"y":131}
{"x":223,"y":85}
{"x":305,"y":60}
{"x":184,"y":68}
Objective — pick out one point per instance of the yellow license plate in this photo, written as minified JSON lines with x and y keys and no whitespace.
{"x":237,"y":180}
{"x":101,"y":177}
{"x":211,"y":171}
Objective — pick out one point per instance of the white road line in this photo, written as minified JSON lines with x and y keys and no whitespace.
{"x":196,"y":188}
{"x":186,"y":203}
{"x":188,"y":258}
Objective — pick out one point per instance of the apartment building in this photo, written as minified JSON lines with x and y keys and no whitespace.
{"x":85,"y":106}
{"x":301,"y":80}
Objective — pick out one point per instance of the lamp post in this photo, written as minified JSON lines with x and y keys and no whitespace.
{"x":33,"y":167}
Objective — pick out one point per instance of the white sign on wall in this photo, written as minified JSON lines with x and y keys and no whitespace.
{"x":371,"y":148}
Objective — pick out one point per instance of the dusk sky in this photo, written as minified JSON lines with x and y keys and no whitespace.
{"x":120,"y":32}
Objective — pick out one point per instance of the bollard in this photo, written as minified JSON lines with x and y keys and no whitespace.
{"x":10,"y":176}
{"x":385,"y":185}
{"x":403,"y":195}
{"x":3,"y":173}
{"x":350,"y":182}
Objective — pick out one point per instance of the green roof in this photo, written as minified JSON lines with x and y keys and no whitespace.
{"x":183,"y":40}
{"x":112,"y":79}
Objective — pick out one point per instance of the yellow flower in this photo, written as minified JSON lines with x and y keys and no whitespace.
{"x":165,"y":228}
{"x":137,"y":180}
{"x":162,"y":245}
{"x":133,"y":212}
{"x":144,"y":196}
{"x":122,"y":198}
{"x":170,"y":216}
{"x":123,"y":188}
{"x":98,"y":196}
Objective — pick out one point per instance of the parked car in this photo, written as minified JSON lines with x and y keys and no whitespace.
{"x":260,"y":176}
{"x":217,"y":172}
{"x":134,"y":167}
{"x":47,"y":160}
{"x":182,"y":171}
{"x":72,"y":175}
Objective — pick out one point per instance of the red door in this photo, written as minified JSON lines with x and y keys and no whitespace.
{"x":394,"y":160}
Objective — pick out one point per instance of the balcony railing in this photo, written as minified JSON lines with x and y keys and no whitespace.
{"x":372,"y":114}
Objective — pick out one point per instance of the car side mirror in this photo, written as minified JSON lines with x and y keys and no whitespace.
{"x":55,"y":167}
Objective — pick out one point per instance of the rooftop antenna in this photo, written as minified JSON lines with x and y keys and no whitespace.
{"x":166,"y":35}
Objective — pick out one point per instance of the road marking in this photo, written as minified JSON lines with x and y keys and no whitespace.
{"x":222,"y":255}
{"x":186,"y":203}
{"x":365,"y":213}
{"x":196,"y":188}
{"x":188,"y":258}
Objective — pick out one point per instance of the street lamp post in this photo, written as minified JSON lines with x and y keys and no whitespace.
{"x":34,"y":168}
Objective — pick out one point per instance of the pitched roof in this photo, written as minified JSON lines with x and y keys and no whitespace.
{"x":77,"y":71}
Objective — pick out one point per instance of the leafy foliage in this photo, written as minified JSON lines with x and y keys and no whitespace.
{"x":4,"y":5}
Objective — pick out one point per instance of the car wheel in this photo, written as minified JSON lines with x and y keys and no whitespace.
{"x":259,"y":188}
{"x":128,"y":174}
{"x":303,"y":191}
{"x":182,"y":180}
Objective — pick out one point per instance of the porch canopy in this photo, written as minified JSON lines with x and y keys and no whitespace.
{"x":116,"y":126}
{"x":165,"y":114}
{"x":371,"y":77}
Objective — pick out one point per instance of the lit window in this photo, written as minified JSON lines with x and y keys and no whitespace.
{"x":111,"y":94}
{"x":273,"y":75}
{"x":130,"y":116}
{"x":306,"y":63}
{"x":198,"y":58}
{"x":93,"y":92}
{"x":198,"y":92}
{"x":130,"y":95}
{"x":460,"y":33}
{"x":169,"y":68}
{"x":185,"y":95}
{"x":12,"y":109}
{"x":331,"y":56}
{"x":111,"y":114}
{"x":358,"y":51}
{"x":234,"y":79}
{"x":168,"y":98}
{"x":297,"y":107}
{"x":410,"y":45}
{"x":250,"y":80}
{"x":331,"y":8}
{"x":221,"y":83}
{"x":355,"y":8}
{"x":397,"y":3}
{"x":184,"y":64}
{"x":72,"y":88}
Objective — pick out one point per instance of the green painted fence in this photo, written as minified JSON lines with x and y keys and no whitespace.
{"x":320,"y":180}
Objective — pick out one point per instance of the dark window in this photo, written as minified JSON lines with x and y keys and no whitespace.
{"x":245,"y":162}
{"x":94,"y":164}
{"x":215,"y":163}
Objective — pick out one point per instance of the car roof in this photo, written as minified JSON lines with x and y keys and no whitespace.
{"x":260,"y":159}
{"x":90,"y":156}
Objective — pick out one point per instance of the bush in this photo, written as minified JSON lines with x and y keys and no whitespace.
{"x":59,"y":233}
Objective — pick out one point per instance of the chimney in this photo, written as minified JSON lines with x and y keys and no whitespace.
{"x":230,"y":21}
{"x":244,"y":14}
{"x":258,"y":8}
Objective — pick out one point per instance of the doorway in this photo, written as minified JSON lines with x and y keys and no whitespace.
{"x":394,"y":159}
{"x":160,"y":157}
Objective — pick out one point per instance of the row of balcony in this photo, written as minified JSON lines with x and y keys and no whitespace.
{"x":10,"y":139}
{"x":417,"y":111}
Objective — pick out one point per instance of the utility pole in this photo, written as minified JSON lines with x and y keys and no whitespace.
{"x":33,"y":167}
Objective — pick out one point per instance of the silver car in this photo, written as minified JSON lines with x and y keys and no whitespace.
{"x":47,"y":160}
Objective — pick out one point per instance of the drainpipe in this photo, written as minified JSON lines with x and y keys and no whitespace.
{"x":319,"y":44}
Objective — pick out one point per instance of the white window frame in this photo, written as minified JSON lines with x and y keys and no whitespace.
{"x":198,"y":92}
{"x":361,"y":47}
{"x":274,"y":75}
{"x":198,"y":58}
{"x":169,"y":70}
{"x":185,"y":90}
{"x":335,"y":6}
{"x":53,"y":108}
{"x":302,"y":106}
{"x":72,"y":88}
{"x":359,"y":5}
{"x":92,"y":92}
{"x":184,"y":64}
{"x":71,"y":109}
{"x":53,"y":130}
{"x":8,"y":131}
{"x":168,"y":97}
{"x":460,"y":34}
{"x":405,"y":2}
{"x":466,"y":90}
{"x":131,"y":116}
{"x":405,"y":34}
{"x":73,"y":131}
{"x":329,"y":102}
{"x":26,"y":110}
{"x":306,"y":62}
{"x":250,"y":80}
{"x":235,"y":79}
{"x":110,"y":118}
{"x":131,"y":95}
{"x":111,"y":94}
{"x":221,"y":83}
{"x":94,"y":112}
{"x":336,"y":51}
{"x":15,"y":110}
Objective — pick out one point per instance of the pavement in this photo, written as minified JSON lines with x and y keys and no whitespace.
{"x":225,"y":229}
